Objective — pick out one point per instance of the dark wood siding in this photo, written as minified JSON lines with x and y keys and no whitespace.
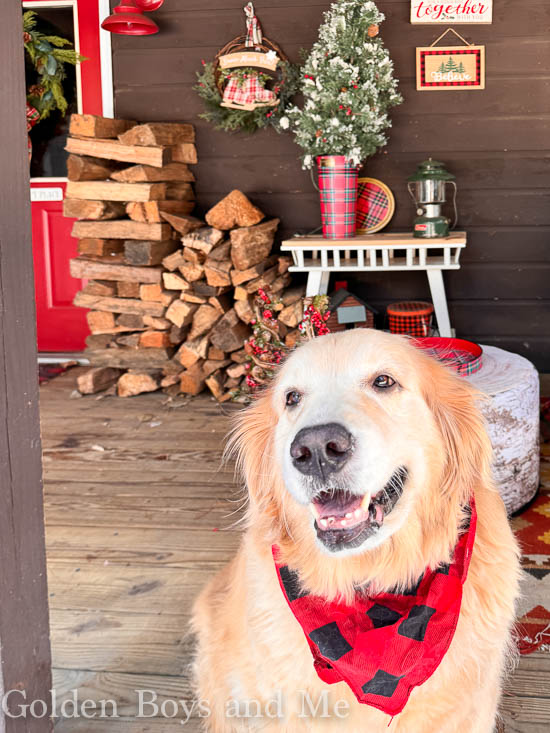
{"x":497,"y":142}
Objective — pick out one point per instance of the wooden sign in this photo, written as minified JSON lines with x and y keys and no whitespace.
{"x":456,"y":11}
{"x":441,"y":68}
{"x":256,"y":59}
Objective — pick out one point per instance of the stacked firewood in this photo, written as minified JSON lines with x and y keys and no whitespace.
{"x":179,"y":322}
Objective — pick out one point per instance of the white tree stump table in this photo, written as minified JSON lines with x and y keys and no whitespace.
{"x":320,"y":257}
{"x":512,"y":414}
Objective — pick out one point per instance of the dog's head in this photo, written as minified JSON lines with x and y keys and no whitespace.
{"x":362,"y":445}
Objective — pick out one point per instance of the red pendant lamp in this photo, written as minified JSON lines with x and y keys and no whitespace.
{"x":128,"y":18}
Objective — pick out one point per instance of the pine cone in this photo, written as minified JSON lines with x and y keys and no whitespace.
{"x":26,"y":37}
{"x":373,"y":31}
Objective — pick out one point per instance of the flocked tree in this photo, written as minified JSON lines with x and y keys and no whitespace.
{"x":348,"y":86}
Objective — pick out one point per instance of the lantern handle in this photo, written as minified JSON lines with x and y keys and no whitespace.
{"x":454,"y":204}
{"x":450,"y":30}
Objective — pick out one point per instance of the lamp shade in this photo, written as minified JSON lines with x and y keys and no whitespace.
{"x":129,"y":20}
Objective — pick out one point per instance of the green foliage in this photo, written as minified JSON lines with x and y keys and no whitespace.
{"x":348,"y":86}
{"x":248,"y":121}
{"x":48,"y":56}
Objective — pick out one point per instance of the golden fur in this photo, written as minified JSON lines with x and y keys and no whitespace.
{"x":250,"y":647}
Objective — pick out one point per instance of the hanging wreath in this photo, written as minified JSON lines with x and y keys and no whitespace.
{"x":48,"y":57}
{"x":237,"y":91}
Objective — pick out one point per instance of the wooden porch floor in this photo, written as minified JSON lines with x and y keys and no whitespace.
{"x":138,"y":517}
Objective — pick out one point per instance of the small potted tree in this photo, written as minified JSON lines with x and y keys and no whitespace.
{"x":348,"y":87}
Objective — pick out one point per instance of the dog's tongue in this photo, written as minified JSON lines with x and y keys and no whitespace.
{"x":338,"y":506}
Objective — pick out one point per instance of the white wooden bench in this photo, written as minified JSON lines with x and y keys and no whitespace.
{"x":381,"y":253}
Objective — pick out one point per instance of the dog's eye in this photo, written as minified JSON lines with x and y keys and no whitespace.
{"x":292,"y":398}
{"x":383,"y":381}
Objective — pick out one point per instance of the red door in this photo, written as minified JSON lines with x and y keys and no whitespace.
{"x":60,"y":325}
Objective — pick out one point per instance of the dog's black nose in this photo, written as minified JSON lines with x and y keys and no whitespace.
{"x":322,"y":449}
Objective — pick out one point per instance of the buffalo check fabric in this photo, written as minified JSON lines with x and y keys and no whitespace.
{"x":384,"y":645}
{"x":338,"y":192}
{"x":412,"y":317}
{"x":373,"y":205}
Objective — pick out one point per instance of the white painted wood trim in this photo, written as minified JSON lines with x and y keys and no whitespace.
{"x":107,"y":89}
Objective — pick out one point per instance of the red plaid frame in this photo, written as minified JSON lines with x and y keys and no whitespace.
{"x":338,"y":195}
{"x":477,"y":83}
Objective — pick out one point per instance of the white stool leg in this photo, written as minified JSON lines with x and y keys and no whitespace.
{"x":437,"y":289}
{"x":317,"y":282}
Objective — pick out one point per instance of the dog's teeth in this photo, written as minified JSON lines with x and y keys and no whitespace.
{"x":343,"y":522}
{"x":323,"y":523}
{"x":358,"y":513}
{"x":365,"y":503}
{"x":349,"y":515}
{"x":331,"y":520}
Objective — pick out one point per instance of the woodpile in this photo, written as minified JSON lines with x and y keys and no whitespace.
{"x":169,"y":301}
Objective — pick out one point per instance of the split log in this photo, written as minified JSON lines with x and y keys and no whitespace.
{"x":241,"y":276}
{"x":158,"y":133}
{"x":206,"y":235}
{"x":229,"y":332}
{"x":97,"y":379}
{"x":230,"y":384}
{"x":243,"y":291}
{"x":127,"y":289}
{"x":151,"y":211}
{"x":84,"y":168}
{"x":191,"y":352}
{"x":235,"y":210}
{"x":203,"y":320}
{"x":177,"y":334}
{"x":158,"y":323}
{"x":132,"y":320}
{"x":119,"y":305}
{"x":213,"y":365}
{"x":89,"y":269}
{"x":154,"y":339}
{"x":192,"y":380}
{"x":134,"y":383}
{"x":173,"y":281}
{"x":114,"y":150}
{"x":130,"y":340}
{"x":146,"y":253}
{"x":171,"y":379}
{"x":293,"y":294}
{"x":151,"y":292}
{"x":222,"y":303}
{"x":99,"y":287}
{"x":96,"y":126}
{"x":173,"y":261}
{"x":99,"y":322}
{"x":215,"y":354}
{"x":190,"y":297}
{"x":184,"y":153}
{"x":180,"y":191}
{"x":182,"y":224}
{"x":142,"y":173}
{"x":280,"y":283}
{"x":98,"y":340}
{"x":236,"y":371}
{"x":217,"y":273}
{"x":203,"y":288}
{"x":251,"y":245}
{"x":244,"y":310}
{"x":181,"y":313}
{"x":113,"y":191}
{"x":192,"y":272}
{"x":129,"y":358}
{"x":292,"y":314}
{"x":193,"y":255}
{"x":81,"y":209}
{"x":239,"y":356}
{"x":121,"y":229}
{"x":100,"y":247}
{"x":215,"y":385}
{"x":283,"y":264}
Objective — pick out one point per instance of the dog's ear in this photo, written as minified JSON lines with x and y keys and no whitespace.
{"x":251,"y":443}
{"x":455,"y":406}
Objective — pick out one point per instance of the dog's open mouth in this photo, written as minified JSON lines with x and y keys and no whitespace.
{"x":344,"y":520}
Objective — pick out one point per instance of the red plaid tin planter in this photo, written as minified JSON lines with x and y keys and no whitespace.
{"x":338,"y":191}
{"x":413,"y":318}
{"x":465,"y":357}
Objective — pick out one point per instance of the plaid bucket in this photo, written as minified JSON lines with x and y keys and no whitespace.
{"x":413,"y":318}
{"x":338,"y":192}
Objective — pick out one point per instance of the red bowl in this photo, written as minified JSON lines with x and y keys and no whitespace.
{"x":465,"y":357}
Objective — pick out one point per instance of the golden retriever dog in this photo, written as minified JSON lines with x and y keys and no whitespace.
{"x":362,"y":461}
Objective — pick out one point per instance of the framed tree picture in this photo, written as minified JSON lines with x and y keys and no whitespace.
{"x":450,"y":67}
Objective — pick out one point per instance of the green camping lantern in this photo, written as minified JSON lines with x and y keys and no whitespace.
{"x":428,"y":187}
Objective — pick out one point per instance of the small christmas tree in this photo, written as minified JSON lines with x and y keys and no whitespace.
{"x":348,"y":86}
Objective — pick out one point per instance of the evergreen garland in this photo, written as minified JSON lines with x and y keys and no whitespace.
{"x":233,"y":120}
{"x":48,"y":57}
{"x":348,"y":86}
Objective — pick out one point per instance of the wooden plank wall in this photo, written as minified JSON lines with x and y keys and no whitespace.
{"x":497,"y":142}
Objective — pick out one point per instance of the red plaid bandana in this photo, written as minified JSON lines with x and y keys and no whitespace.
{"x":385,"y":645}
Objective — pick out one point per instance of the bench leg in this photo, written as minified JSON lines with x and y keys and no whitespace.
{"x":437,"y":289}
{"x":317,"y":282}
